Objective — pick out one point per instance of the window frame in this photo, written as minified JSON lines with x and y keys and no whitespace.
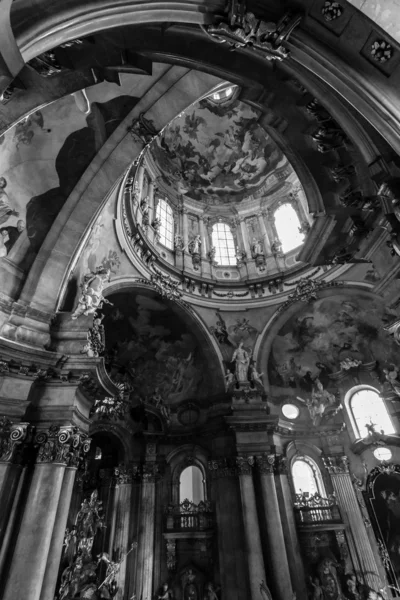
{"x":321,"y":491}
{"x":349,"y":410}
{"x":164,"y":230}
{"x":219,"y":256}
{"x":293,"y":207}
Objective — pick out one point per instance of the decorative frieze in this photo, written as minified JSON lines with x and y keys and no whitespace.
{"x":64,"y":445}
{"x":336,"y":464}
{"x":12,"y":438}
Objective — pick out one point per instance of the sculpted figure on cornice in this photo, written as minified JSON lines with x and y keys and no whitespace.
{"x":92,"y":298}
{"x":241,"y":358}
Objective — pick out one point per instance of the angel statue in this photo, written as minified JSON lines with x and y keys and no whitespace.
{"x":256,"y":377}
{"x":320,"y":401}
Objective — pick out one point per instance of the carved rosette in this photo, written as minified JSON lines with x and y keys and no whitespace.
{"x":337,"y":464}
{"x":12,"y":438}
{"x":63,"y":445}
{"x":245,"y":464}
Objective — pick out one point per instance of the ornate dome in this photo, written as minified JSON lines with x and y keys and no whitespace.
{"x":217,"y":152}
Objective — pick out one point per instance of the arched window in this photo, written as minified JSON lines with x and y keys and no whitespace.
{"x":191,"y":485}
{"x":367,"y":408}
{"x":222,"y":240}
{"x":287,"y":227}
{"x":307,"y":477}
{"x":165,"y":216}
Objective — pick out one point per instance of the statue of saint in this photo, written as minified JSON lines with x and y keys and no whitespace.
{"x":242,"y":359}
{"x":256,"y":247}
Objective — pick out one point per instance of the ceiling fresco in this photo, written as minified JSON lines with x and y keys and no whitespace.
{"x":218,"y":154}
{"x":150,"y":349}
{"x":326,"y":337}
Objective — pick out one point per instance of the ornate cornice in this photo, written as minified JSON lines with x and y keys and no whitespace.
{"x":63,"y":445}
{"x":336,"y":464}
{"x":13,"y":437}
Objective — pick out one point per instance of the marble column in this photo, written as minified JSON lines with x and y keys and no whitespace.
{"x":245,"y":236}
{"x":151,"y":201}
{"x":12,"y":438}
{"x":122,"y":509}
{"x":56,"y":545}
{"x":185,"y":228}
{"x":279,"y":561}
{"x":232,"y":554}
{"x":139,"y":179}
{"x":254,"y":553}
{"x":289,"y":529}
{"x":145,"y":563}
{"x":28,"y":566}
{"x":338,"y":467}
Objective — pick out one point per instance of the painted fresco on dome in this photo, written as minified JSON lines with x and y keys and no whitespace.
{"x":215,"y":153}
{"x":328,"y":336}
{"x":151,"y":350}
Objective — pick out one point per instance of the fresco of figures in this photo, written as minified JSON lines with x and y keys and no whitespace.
{"x":214,"y":153}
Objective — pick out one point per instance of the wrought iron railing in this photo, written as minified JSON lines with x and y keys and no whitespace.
{"x":188,"y":516}
{"x":314,"y":509}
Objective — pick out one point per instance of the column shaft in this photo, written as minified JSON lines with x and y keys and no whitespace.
{"x":56,"y":545}
{"x":252,"y":535}
{"x":279,"y":560}
{"x":204,"y":238}
{"x":32,"y":548}
{"x":265,"y":238}
{"x":9,"y":477}
{"x":245,"y":237}
{"x":145,"y":564}
{"x":121,"y":535}
{"x":185,"y":229}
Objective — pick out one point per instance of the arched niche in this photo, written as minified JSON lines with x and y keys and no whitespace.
{"x":343,"y":322}
{"x":160,"y":348}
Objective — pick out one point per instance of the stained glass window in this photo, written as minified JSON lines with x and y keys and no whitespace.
{"x":287,"y":226}
{"x":222,"y":240}
{"x":166,"y":218}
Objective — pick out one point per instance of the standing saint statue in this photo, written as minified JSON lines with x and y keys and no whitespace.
{"x":242,"y":360}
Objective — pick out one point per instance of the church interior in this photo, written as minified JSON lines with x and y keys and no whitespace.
{"x":200,"y":300}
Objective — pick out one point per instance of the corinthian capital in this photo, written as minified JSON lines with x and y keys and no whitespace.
{"x":63,"y":445}
{"x":245,"y":464}
{"x":266,"y":463}
{"x":336,"y":464}
{"x":12,"y":438}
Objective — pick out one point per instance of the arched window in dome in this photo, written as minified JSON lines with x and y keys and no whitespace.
{"x":223,"y":242}
{"x":191,"y":485}
{"x":307,"y":477}
{"x":368,"y":412}
{"x":287,"y":225}
{"x":165,"y":215}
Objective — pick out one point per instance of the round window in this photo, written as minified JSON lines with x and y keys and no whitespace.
{"x":383,"y":454}
{"x":290,"y":411}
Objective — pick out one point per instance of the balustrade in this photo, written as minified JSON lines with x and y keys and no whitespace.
{"x":188,"y":516}
{"x":314,"y":509}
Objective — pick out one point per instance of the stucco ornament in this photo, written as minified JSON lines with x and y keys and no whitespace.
{"x":320,"y":402}
{"x":331,"y":10}
{"x":381,"y":51}
{"x":92,"y":298}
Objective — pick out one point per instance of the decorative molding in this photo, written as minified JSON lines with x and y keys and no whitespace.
{"x":306,"y":291}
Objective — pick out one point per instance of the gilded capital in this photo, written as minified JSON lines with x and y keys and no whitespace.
{"x":12,"y":438}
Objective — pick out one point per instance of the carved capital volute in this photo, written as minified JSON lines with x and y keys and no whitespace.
{"x":123,"y":474}
{"x":62,"y":445}
{"x":266,"y":463}
{"x":222,"y":467}
{"x":13,"y":436}
{"x":336,"y":464}
{"x":245,"y":464}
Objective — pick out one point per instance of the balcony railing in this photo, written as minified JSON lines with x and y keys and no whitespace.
{"x":313,"y":510}
{"x":188,"y":516}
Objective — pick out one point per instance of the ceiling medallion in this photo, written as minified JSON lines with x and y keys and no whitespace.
{"x":381,"y":51}
{"x":331,"y":10}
